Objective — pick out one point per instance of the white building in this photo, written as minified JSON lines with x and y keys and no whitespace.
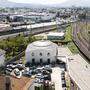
{"x":56,"y":35}
{"x":2,"y":57}
{"x":42,"y":51}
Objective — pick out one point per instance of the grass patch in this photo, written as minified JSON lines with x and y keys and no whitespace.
{"x":68,"y":84}
{"x":73,"y":48}
{"x":39,"y":37}
{"x":68,"y":34}
{"x":68,"y":37}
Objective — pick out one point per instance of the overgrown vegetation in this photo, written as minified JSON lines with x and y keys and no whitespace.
{"x":73,"y":48}
{"x":68,"y":83}
{"x":68,"y":37}
{"x":14,"y":46}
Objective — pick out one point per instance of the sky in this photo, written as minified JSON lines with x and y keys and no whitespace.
{"x":45,"y":2}
{"x":52,"y":2}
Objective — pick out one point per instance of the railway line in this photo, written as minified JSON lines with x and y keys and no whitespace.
{"x":31,"y":29}
{"x":80,"y":41}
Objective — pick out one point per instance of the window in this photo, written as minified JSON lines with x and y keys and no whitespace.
{"x":41,"y":60}
{"x":33,"y":60}
{"x":48,"y":60}
{"x":40,"y":54}
{"x":32,"y":54}
{"x":48,"y":54}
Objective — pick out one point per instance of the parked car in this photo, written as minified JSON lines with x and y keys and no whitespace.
{"x":14,"y":63}
{"x":41,"y":80}
{"x":47,"y":77}
{"x":7,"y":72}
{"x":17,"y":72}
{"x":11,"y":66}
{"x":37,"y":80}
{"x":63,"y":85}
{"x":27,"y":73}
{"x":9,"y":69}
{"x":38,"y":75}
{"x":45,"y":72}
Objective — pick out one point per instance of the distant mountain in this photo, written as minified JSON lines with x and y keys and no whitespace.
{"x":6,"y":3}
{"x":69,"y":3}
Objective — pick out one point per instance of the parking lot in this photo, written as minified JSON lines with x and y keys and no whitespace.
{"x":43,"y":75}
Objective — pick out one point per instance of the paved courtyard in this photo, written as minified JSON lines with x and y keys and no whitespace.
{"x":63,"y":53}
{"x":56,"y":78}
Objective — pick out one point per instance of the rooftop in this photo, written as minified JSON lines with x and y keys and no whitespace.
{"x":56,"y":34}
{"x":42,"y":44}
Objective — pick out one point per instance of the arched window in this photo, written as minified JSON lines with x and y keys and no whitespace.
{"x":40,"y":54}
{"x":48,"y":54}
{"x":33,"y":60}
{"x":32,"y":54}
{"x":41,"y":60}
{"x":48,"y":60}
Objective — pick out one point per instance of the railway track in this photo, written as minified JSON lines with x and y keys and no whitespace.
{"x":80,"y":41}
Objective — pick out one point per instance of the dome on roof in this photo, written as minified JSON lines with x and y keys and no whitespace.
{"x":43,"y":51}
{"x":42,"y":43}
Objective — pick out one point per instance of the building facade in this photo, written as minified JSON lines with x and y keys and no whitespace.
{"x":56,"y":36}
{"x":43,"y":51}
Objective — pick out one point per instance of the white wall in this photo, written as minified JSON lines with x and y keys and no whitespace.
{"x":44,"y":56}
{"x":2,"y":59}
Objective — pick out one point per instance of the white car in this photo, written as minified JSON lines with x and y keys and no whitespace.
{"x":18,"y":73}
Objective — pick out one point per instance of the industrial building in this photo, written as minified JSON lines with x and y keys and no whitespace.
{"x":56,"y":36}
{"x":42,"y":51}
